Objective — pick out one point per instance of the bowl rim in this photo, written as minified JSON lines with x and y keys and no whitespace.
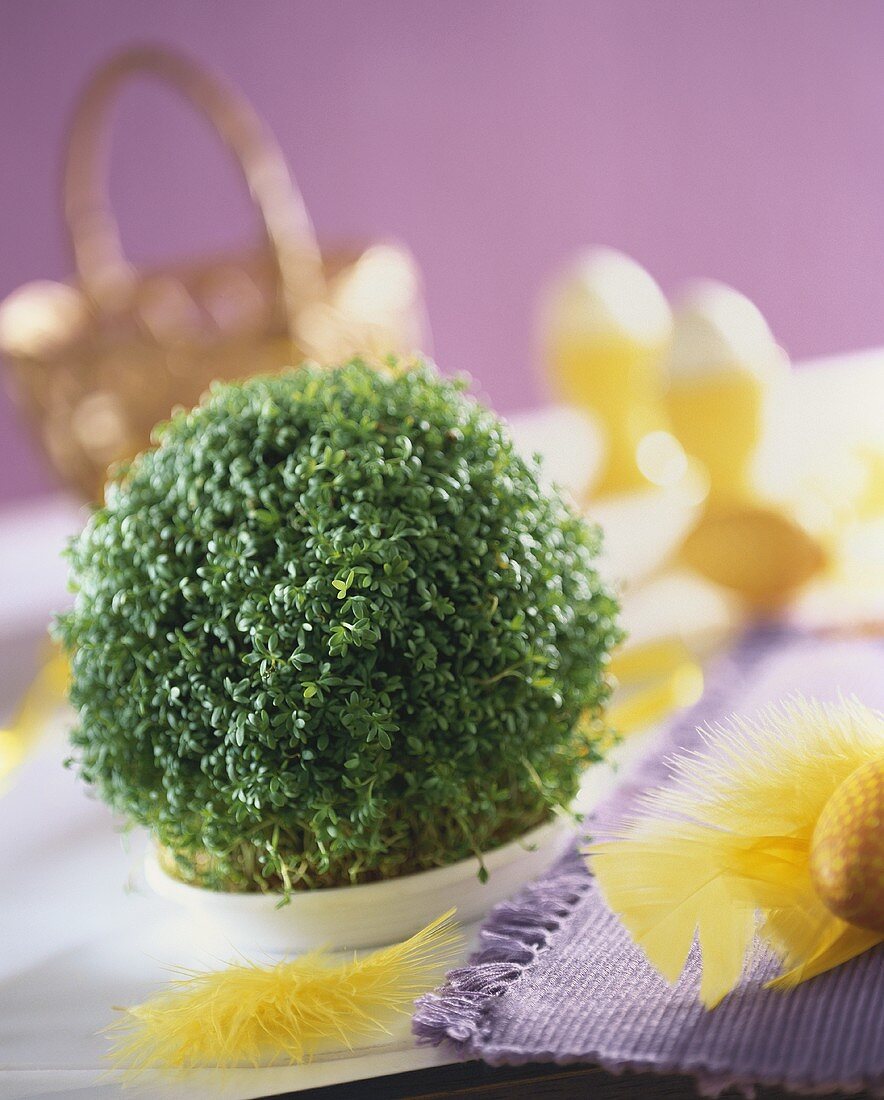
{"x":415,"y":882}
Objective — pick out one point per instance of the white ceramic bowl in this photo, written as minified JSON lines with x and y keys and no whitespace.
{"x":373,"y":915}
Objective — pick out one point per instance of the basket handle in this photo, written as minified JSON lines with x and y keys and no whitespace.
{"x":104,"y":271}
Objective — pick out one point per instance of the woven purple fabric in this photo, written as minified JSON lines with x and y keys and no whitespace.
{"x":557,"y":978}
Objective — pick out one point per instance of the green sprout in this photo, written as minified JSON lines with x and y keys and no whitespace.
{"x":331,"y":630}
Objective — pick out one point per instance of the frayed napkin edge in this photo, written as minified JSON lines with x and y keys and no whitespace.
{"x":515,"y":934}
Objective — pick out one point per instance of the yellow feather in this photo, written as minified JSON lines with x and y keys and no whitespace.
{"x":669,"y":883}
{"x":727,"y":843}
{"x":250,"y":1014}
{"x":839,"y":943}
{"x":724,"y":942}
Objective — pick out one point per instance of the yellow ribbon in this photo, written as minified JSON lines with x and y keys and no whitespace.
{"x":44,"y":695}
{"x":661,"y":677}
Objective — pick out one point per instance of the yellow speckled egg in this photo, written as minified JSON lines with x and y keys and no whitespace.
{"x":847,"y":852}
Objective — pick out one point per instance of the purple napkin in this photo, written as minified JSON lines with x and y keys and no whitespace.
{"x":557,"y":978}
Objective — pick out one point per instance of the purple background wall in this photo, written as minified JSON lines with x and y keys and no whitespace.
{"x":741,"y":140}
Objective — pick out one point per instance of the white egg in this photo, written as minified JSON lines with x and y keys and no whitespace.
{"x":605,"y":292}
{"x":717,"y":329}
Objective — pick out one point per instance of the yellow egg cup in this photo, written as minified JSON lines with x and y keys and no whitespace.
{"x":718,"y":419}
{"x":620,"y":381}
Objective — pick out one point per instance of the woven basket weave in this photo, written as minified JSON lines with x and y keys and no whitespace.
{"x":95,"y":362}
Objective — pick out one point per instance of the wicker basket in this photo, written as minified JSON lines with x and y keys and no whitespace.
{"x":97,"y":361}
